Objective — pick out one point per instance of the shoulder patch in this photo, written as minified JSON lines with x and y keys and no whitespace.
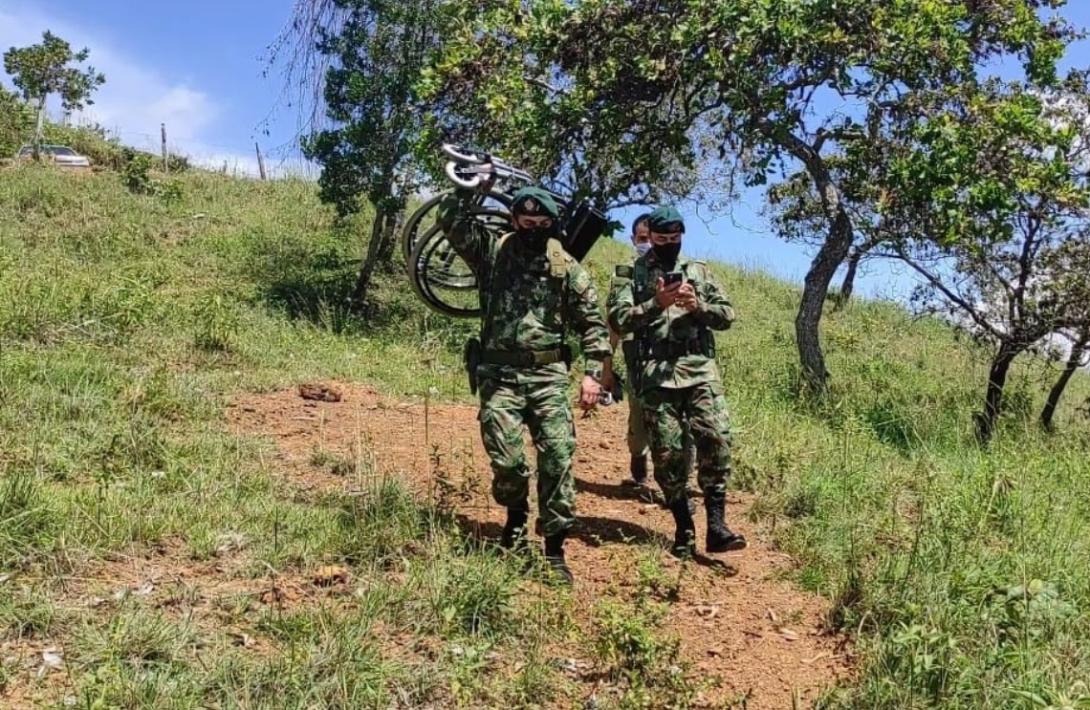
{"x":700,"y":268}
{"x":622,"y":271}
{"x":560,"y":261}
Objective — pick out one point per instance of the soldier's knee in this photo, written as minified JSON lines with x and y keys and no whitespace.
{"x":509,"y":465}
{"x":555,"y":452}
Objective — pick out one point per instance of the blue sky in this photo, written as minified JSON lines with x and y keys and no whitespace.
{"x":198,"y":67}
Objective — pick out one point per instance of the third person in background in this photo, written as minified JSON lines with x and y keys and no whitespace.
{"x":638,"y":448}
{"x":671,"y":306}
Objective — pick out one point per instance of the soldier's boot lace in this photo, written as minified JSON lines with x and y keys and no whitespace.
{"x":685,"y":535}
{"x":720,"y":538}
{"x":554,"y":557}
{"x":514,"y":530}
{"x":638,"y":468}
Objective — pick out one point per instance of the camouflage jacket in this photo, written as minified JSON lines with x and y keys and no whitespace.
{"x":633,"y":309}
{"x":525,"y":306}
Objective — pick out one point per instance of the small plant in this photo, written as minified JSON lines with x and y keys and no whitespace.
{"x":471,"y":594}
{"x":26,"y":518}
{"x":217,"y":325}
{"x":653,"y":580}
{"x":137,"y":174}
{"x":382,"y":524}
{"x":638,"y":655}
{"x":170,"y":191}
{"x":25,"y":613}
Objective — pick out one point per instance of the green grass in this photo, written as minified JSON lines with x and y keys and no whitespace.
{"x":127,"y":321}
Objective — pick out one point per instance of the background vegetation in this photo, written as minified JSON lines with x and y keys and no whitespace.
{"x":127,"y":320}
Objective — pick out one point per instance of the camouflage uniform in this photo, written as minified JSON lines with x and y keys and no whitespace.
{"x":678,"y":389}
{"x":637,"y":438}
{"x":527,"y":307}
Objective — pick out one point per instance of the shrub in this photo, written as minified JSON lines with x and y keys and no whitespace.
{"x":137,"y":174}
{"x":16,"y":122}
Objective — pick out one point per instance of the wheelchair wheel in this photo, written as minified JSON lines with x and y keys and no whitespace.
{"x":441,"y":278}
{"x":425,"y":218}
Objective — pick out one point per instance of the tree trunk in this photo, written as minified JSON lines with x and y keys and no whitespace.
{"x":1074,"y":362}
{"x":814,"y":292}
{"x":993,"y":399}
{"x":848,"y":285}
{"x":380,"y":251}
{"x":39,"y":129}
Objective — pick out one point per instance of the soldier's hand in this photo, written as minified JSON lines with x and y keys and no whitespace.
{"x":588,"y":393}
{"x":607,"y":375}
{"x":687,"y":299}
{"x":665,"y":295}
{"x":487,"y":181}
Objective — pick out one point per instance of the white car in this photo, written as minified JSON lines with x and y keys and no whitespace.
{"x":60,"y":155}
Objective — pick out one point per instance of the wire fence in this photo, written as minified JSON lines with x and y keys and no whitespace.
{"x":283,"y":161}
{"x":279,"y":163}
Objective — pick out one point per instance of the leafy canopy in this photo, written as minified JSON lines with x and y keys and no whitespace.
{"x":619,"y":92}
{"x":41,"y":70}
{"x":377,"y":52}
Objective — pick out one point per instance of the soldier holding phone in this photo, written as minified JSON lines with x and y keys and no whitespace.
{"x":672,"y":306}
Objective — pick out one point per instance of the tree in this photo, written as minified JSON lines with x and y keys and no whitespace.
{"x":42,"y":70}
{"x":1076,"y":358}
{"x":798,"y":216}
{"x":989,"y":204}
{"x":14,"y":122}
{"x":375,"y":50}
{"x":640,"y":86}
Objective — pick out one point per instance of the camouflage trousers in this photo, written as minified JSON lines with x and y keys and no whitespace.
{"x":702,"y":409}
{"x":637,"y":432}
{"x":639,"y":443}
{"x":547,"y":413}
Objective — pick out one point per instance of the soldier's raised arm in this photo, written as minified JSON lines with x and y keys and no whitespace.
{"x":586,"y":319}
{"x":473,"y":245}
{"x":713,"y":309}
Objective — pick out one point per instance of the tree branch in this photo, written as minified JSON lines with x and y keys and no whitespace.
{"x":953,"y":297}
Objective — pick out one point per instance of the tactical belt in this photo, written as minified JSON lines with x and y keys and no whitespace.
{"x":522,"y":358}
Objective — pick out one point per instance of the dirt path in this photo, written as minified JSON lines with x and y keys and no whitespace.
{"x":759,"y":636}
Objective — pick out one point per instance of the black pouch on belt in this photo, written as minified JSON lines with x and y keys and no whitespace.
{"x":471,"y":358}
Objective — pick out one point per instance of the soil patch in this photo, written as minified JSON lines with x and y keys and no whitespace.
{"x":741,"y":624}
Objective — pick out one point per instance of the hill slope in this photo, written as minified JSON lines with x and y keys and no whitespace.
{"x":128,"y":324}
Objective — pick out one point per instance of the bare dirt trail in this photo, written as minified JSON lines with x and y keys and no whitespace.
{"x":739,"y":621}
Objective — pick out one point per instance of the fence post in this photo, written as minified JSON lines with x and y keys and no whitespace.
{"x":260,"y":161}
{"x":163,"y":135}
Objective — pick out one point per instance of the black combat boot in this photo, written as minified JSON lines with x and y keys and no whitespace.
{"x":685,"y":536}
{"x":514,"y":531}
{"x":638,"y":468}
{"x":554,"y":557}
{"x":720,"y":538}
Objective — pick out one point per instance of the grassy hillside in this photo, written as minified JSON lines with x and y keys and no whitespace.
{"x":126,"y":322}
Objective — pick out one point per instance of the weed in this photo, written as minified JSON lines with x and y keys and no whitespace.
{"x":216,"y":325}
{"x":471,"y":594}
{"x":646,"y":662}
{"x":136,"y":174}
{"x":381,"y":524}
{"x":25,"y":613}
{"x":27,"y":521}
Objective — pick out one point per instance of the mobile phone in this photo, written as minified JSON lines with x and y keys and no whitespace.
{"x":673,"y":277}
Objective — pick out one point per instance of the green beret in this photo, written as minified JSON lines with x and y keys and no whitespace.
{"x":665,"y":220}
{"x":534,"y":201}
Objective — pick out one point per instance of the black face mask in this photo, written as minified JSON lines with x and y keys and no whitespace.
{"x":666,"y":254}
{"x":536,"y":238}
